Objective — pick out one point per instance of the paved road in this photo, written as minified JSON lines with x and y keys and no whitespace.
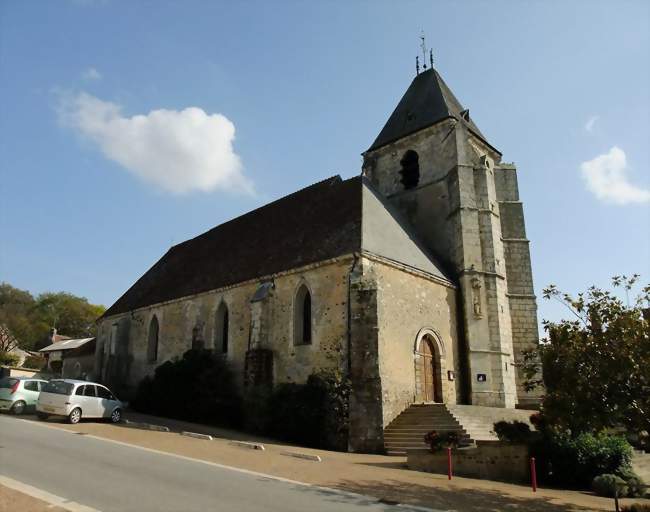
{"x":113,"y":477}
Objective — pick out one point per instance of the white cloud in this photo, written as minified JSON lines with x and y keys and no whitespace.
{"x":91,"y":74}
{"x":606,"y":177}
{"x":178,"y":151}
{"x":591,"y":122}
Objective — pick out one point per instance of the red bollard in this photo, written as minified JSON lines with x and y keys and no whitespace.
{"x":449,"y":463}
{"x":533,"y":474}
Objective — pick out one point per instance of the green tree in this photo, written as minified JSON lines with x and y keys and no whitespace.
{"x":17,"y":322}
{"x":25,"y":321}
{"x":71,"y":315}
{"x":596,"y":366}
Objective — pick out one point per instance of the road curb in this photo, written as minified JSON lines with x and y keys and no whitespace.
{"x":206,"y":437}
{"x":306,"y":456}
{"x":146,"y":426}
{"x":244,"y":444}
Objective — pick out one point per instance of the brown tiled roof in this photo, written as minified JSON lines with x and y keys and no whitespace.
{"x":314,"y":224}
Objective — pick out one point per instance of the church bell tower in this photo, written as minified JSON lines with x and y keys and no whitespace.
{"x":434,"y":164}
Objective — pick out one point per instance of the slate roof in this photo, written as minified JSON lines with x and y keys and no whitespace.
{"x":316,"y":223}
{"x":328,"y":219}
{"x":427,"y":101}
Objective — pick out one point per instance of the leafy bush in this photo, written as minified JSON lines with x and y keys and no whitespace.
{"x":609,"y":486}
{"x":437,"y":441}
{"x":636,"y":507}
{"x":9,"y":359}
{"x":34,"y":362}
{"x":197,"y":387}
{"x":635,"y":485}
{"x":313,"y":414}
{"x":575,"y":461}
{"x":513,"y":432}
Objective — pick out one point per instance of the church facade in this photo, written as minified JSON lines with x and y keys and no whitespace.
{"x":413,"y":278}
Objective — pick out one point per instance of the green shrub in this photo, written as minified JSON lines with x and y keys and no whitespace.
{"x":312,"y":414}
{"x":575,"y":461}
{"x":34,"y":362}
{"x":513,"y":432}
{"x":197,"y":387}
{"x":636,"y":507}
{"x":635,"y":485}
{"x":609,"y":486}
{"x":9,"y":359}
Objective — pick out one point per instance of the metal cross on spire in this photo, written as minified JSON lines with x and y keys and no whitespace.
{"x":424,"y":50}
{"x":423,"y":46}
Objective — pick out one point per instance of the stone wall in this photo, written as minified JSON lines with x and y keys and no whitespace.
{"x":454,"y":209}
{"x":411,"y":305}
{"x":521,"y":294}
{"x":122,"y":339}
{"x":487,"y":461}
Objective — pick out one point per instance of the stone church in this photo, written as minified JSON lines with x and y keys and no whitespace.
{"x":413,"y":278}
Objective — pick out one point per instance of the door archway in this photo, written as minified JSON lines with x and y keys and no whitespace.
{"x":429,"y":368}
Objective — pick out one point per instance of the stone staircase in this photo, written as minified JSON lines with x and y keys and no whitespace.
{"x":471,"y":422}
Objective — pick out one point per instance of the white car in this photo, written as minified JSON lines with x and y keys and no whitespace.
{"x":76,"y":399}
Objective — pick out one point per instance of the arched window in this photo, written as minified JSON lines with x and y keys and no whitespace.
{"x":410,"y":169}
{"x":152,"y":345}
{"x":221,"y":329}
{"x":302,"y":317}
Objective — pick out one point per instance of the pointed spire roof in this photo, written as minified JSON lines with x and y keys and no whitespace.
{"x":427,"y":101}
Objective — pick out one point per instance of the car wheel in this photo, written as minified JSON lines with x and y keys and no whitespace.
{"x":74,"y":416}
{"x":42,"y":416}
{"x":18,"y":407}
{"x":116,"y":416}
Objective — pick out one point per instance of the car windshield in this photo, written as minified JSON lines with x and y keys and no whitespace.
{"x":7,"y":383}
{"x":58,"y":387}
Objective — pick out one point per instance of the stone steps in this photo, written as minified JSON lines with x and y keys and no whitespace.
{"x":472,"y":423}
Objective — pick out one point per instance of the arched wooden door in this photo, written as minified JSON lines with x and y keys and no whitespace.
{"x":428,"y":372}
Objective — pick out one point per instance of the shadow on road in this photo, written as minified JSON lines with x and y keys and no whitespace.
{"x":475,"y":500}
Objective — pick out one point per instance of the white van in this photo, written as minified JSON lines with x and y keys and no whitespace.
{"x":76,"y":399}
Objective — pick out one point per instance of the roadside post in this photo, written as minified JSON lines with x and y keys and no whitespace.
{"x":533,"y":474}
{"x":449,"y":469}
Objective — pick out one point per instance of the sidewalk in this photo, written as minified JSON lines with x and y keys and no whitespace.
{"x":379,"y":476}
{"x":12,"y":500}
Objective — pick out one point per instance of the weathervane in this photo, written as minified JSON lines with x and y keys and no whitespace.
{"x":424,"y":56}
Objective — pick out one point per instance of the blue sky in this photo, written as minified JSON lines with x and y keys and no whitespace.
{"x":96,"y":95}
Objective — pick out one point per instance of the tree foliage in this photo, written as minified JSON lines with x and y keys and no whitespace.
{"x":596,"y":365}
{"x":25,"y":321}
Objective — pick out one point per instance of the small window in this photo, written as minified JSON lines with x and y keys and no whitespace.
{"x":302,"y":317}
{"x":31,"y":385}
{"x":81,"y":391}
{"x":410,"y":169}
{"x":90,"y":391}
{"x":7,"y":383}
{"x":152,"y":346}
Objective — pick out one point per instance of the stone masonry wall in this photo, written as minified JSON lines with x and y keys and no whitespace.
{"x":521,"y":294}
{"x":408,"y":306}
{"x":182,"y":319}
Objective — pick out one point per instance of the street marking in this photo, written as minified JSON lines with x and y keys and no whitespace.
{"x":42,"y":495}
{"x":348,"y":494}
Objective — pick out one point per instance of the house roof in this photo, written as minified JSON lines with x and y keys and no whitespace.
{"x":68,"y":344}
{"x":427,"y":101}
{"x":317,"y":223}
